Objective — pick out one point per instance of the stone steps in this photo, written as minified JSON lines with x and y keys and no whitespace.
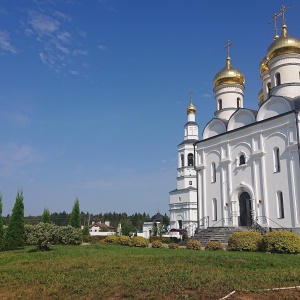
{"x":220,"y":234}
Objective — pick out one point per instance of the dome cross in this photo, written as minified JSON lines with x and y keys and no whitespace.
{"x":275,"y":18}
{"x":228,"y":44}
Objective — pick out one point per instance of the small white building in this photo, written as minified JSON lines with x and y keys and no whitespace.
{"x":101,"y":229}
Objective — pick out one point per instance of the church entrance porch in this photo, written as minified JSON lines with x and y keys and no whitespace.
{"x":245,"y":218}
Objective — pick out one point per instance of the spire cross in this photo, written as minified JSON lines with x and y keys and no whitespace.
{"x":228,"y":44}
{"x":283,"y":10}
{"x":275,"y":18}
{"x":191,"y":95}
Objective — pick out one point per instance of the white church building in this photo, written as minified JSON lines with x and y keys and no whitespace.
{"x":245,"y":169}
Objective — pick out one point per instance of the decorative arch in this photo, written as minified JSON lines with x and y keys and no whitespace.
{"x":214,"y":127}
{"x":272,"y":107}
{"x":240,"y":118}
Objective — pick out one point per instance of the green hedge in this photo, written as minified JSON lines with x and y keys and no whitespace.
{"x":214,"y":245}
{"x":157,"y":244}
{"x":281,"y":242}
{"x":244,"y":241}
{"x":193,"y":245}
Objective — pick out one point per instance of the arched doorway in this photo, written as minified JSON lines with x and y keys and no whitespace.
{"x":245,"y":209}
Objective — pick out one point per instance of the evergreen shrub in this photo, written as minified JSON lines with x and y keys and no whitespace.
{"x":173,"y":246}
{"x":139,"y":241}
{"x":193,"y":245}
{"x":281,"y":242}
{"x":157,"y":244}
{"x":166,"y":240}
{"x":214,"y":245}
{"x":244,"y":241}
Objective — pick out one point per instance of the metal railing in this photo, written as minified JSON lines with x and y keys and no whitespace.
{"x":270,"y":227}
{"x":257,"y":227}
{"x":223,"y":222}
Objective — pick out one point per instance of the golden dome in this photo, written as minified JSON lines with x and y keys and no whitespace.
{"x":261,"y":96}
{"x":229,"y":75}
{"x":191,"y":109}
{"x":263,"y":65}
{"x":284,"y":44}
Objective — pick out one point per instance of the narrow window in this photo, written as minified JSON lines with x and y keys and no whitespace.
{"x":180,"y":224}
{"x":190,"y":159}
{"x":213,"y":172}
{"x":190,"y":182}
{"x":214,"y":209}
{"x":280,"y":205}
{"x":242,"y":160}
{"x":276,"y":156}
{"x":269,"y":87}
{"x":278,"y":79}
{"x":220,"y":104}
{"x":238,"y":102}
{"x":182,"y":160}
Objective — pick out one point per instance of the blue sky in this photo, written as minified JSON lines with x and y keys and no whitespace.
{"x":93,"y":93}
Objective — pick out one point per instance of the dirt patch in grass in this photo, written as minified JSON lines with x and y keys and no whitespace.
{"x":289,"y":294}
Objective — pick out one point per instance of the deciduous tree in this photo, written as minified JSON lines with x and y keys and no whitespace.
{"x":46,"y":216}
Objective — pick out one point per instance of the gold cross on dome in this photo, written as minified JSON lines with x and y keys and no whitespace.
{"x":228,"y":44}
{"x":191,"y":95}
{"x":283,"y":10}
{"x":275,"y":18}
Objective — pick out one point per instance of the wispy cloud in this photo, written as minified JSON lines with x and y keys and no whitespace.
{"x":14,"y":157}
{"x":102,"y":47}
{"x":206,"y":96}
{"x":57,"y":39}
{"x":16,"y":119}
{"x":6,"y":43}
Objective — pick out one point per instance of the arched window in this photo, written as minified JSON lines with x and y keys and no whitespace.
{"x":214,"y":210}
{"x":238,"y":102}
{"x":280,"y":205}
{"x":182,"y":160}
{"x":242,"y":160}
{"x":220,"y":104}
{"x":213,"y":172}
{"x":269,"y":87}
{"x":276,"y":156}
{"x":190,"y":159}
{"x":278,"y":79}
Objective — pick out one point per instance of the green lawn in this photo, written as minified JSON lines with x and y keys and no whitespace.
{"x":120,"y":272}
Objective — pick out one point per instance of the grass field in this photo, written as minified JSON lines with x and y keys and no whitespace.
{"x":119,"y":272}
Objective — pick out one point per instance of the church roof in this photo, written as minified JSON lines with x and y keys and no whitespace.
{"x":190,"y":141}
{"x":157,"y":217}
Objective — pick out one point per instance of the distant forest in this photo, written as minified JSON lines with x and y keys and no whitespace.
{"x":134,"y":221}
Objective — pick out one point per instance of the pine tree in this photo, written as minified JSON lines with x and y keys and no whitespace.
{"x":1,"y":224}
{"x":75,"y":215}
{"x":15,"y":233}
{"x":46,"y":216}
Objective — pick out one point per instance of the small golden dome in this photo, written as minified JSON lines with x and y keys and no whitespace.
{"x":283,"y":45}
{"x":263,"y":65}
{"x":261,"y":96}
{"x":229,"y":75}
{"x":191,"y":109}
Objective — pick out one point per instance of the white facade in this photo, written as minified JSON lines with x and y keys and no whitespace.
{"x":247,"y":163}
{"x":183,"y":200}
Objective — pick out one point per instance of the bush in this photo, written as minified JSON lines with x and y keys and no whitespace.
{"x":244,"y":241}
{"x":124,"y":240}
{"x":67,"y":235}
{"x":111,"y":239}
{"x":166,"y":240}
{"x":193,"y":245}
{"x":281,"y":242}
{"x":139,"y":241}
{"x":214,"y":245}
{"x":173,"y":246}
{"x":154,"y":238}
{"x":157,"y":244}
